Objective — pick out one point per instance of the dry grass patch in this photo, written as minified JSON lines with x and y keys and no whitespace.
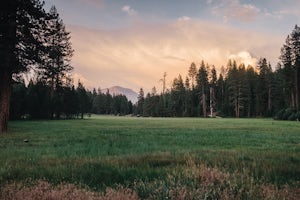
{"x":42,"y":190}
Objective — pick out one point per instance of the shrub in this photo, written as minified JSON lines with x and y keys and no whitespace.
{"x":292,"y":117}
{"x":297,"y":115}
{"x":288,"y":112}
{"x":279,"y":115}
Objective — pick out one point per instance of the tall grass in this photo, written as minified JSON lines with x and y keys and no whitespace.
{"x":104,"y":151}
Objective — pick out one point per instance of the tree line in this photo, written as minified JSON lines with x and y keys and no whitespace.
{"x":36,"y":41}
{"x":238,"y":90}
{"x":34,"y":101}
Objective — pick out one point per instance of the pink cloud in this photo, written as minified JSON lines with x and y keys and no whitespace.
{"x":233,"y":9}
{"x":138,"y":56}
{"x":130,"y":11}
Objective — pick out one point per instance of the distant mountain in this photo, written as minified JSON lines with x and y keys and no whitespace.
{"x":116,"y":90}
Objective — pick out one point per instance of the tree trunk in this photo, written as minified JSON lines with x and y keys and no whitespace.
{"x":211,"y":101}
{"x":238,"y":103}
{"x":5,"y":91}
{"x":237,"y":108}
{"x":203,"y":102}
{"x":297,"y":89}
{"x":8,"y":10}
{"x":269,"y":100}
{"x":292,"y":101}
{"x":249,"y":105}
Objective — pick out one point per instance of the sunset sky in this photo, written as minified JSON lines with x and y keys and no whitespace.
{"x":131,"y":43}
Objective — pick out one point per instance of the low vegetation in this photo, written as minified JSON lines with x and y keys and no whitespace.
{"x":152,"y":158}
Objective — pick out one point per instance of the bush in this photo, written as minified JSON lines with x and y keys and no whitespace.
{"x":288,"y":112}
{"x":279,"y":115}
{"x":292,"y":117}
{"x":297,"y":115}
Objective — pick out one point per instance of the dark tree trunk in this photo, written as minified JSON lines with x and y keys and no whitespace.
{"x":7,"y":58}
{"x":237,"y":115}
{"x":292,"y":100}
{"x":5,"y":91}
{"x":211,"y":97}
{"x":297,"y":89}
{"x":203,"y":102}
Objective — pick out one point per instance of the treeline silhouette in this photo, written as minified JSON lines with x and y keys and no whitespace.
{"x":34,"y":101}
{"x":238,"y":91}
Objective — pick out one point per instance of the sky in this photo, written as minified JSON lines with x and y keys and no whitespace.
{"x":131,"y":43}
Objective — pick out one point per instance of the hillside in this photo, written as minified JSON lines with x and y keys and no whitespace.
{"x":116,"y":90}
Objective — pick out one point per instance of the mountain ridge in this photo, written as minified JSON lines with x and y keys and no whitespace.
{"x":117,"y":90}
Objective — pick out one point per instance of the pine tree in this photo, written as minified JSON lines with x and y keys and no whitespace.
{"x":140,"y":102}
{"x":281,"y":101}
{"x":264,"y":88}
{"x":220,"y":95}
{"x":188,"y":100}
{"x":251,"y":91}
{"x":83,"y":101}
{"x":236,"y":87}
{"x":20,"y":23}
{"x":38,"y":99}
{"x":147,"y":106}
{"x":212,"y":89}
{"x":108,"y":103}
{"x":202,"y":83}
{"x":70,"y":101}
{"x":295,"y":47}
{"x":56,"y":66}
{"x":178,"y":97}
{"x":193,"y":74}
{"x":290,"y":59}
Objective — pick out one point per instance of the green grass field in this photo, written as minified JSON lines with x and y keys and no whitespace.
{"x":105,"y":151}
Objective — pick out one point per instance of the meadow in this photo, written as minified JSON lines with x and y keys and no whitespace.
{"x":154,"y":158}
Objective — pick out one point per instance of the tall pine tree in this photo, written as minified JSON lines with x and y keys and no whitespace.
{"x":56,"y":66}
{"x":20,"y":23}
{"x":290,"y":59}
{"x":202,"y":83}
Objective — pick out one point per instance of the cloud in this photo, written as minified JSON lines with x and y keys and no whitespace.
{"x":209,"y":1}
{"x":233,"y":9}
{"x":94,"y":3}
{"x":137,"y":56}
{"x":130,"y":11}
{"x":283,"y":13}
{"x":184,"y":18}
{"x":79,"y":77}
{"x":244,"y":57}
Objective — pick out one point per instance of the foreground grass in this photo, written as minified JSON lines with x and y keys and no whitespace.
{"x":106,"y":151}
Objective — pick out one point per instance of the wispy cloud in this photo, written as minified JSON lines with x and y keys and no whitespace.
{"x":94,"y":3}
{"x":184,"y":18}
{"x":234,"y":9}
{"x":209,"y":1}
{"x":137,"y":56}
{"x":279,"y":14}
{"x":130,"y":11}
